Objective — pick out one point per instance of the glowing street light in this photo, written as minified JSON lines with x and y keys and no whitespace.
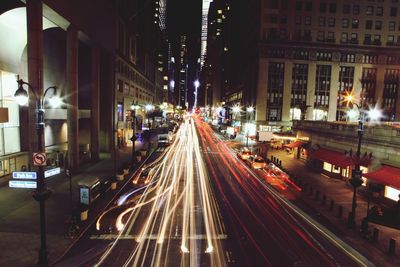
{"x":42,"y":193}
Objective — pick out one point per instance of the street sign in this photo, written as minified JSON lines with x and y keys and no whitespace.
{"x":52,"y":172}
{"x":84,"y":195}
{"x":22,"y":184}
{"x":39,"y":159}
{"x":24,"y":175}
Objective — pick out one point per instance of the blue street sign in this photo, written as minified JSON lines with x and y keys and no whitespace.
{"x":52,"y":172}
{"x":24,"y":175}
{"x":22,"y":184}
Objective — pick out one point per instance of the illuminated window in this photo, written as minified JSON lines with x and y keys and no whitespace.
{"x":345,"y":23}
{"x":327,"y":167}
{"x":392,"y":26}
{"x":392,"y":193}
{"x":219,"y":11}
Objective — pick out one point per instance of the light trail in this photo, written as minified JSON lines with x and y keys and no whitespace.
{"x":177,"y":204}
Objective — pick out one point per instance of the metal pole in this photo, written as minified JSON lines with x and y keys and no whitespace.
{"x":133,"y":138}
{"x":42,"y":193}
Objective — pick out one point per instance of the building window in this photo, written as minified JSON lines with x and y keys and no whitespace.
{"x":379,"y":11}
{"x":300,"y":54}
{"x":321,"y":21}
{"x":346,"y":83}
{"x":274,"y":4}
{"x":283,"y":20}
{"x":353,"y":38}
{"x":297,"y":20}
{"x":356,"y":9}
{"x":392,"y":26}
{"x":370,"y":10}
{"x":309,"y":6}
{"x":332,"y":7}
{"x":299,"y":85}
{"x":367,"y":39}
{"x":390,"y":91}
{"x":393,"y":11}
{"x":368,"y":86}
{"x":390,"y":40}
{"x":347,"y":57}
{"x":346,"y":9}
{"x":354,"y":23}
{"x":275,"y":90}
{"x":321,"y":36}
{"x":324,"y":56}
{"x":377,"y":39}
{"x":344,"y":37}
{"x":370,"y":59}
{"x":322,"y":7}
{"x":378,"y":25}
{"x":120,"y":111}
{"x":322,"y":86}
{"x":345,"y":23}
{"x":274,"y":19}
{"x":298,"y":5}
{"x":330,"y":37}
{"x":307,"y":20}
{"x":368,"y":24}
{"x":331,"y":22}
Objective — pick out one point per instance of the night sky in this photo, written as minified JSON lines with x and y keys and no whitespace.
{"x":184,"y":17}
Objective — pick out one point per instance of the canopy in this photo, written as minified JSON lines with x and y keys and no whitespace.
{"x":335,"y":158}
{"x":294,"y":144}
{"x":386,"y":175}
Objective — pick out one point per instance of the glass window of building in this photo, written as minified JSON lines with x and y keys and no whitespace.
{"x":344,"y":37}
{"x":368,"y":24}
{"x":285,"y":4}
{"x":283,"y":20}
{"x":309,"y":6}
{"x":392,"y":26}
{"x":354,"y":23}
{"x":322,"y":86}
{"x":368,"y":85}
{"x":379,"y":11}
{"x":331,"y":22}
{"x":346,"y":9}
{"x":299,"y":85}
{"x":353,"y":38}
{"x":276,"y":72}
{"x":320,"y":36}
{"x":356,"y":9}
{"x":378,"y":25}
{"x":393,"y":11}
{"x":390,"y":39}
{"x":390,"y":91}
{"x":367,"y":39}
{"x":370,"y":10}
{"x":345,"y":23}
{"x":297,"y":20}
{"x":322,"y":7}
{"x":332,"y":7}
{"x":274,"y":19}
{"x":9,"y":131}
{"x":299,"y":5}
{"x":330,"y":37}
{"x":307,"y":20}
{"x":274,"y":4}
{"x":346,"y":83}
{"x":321,"y":21}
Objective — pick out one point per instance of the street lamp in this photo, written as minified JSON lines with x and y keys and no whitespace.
{"x":372,"y":114}
{"x":250,"y":111}
{"x":42,"y":193}
{"x":134,"y":107}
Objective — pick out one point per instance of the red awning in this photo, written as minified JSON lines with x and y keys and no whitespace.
{"x":294,"y":144}
{"x":387,"y":175}
{"x":335,"y":158}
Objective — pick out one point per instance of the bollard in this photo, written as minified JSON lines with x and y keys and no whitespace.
{"x":364,"y":227}
{"x":331,"y":205}
{"x":323,"y":199}
{"x":375,"y":235}
{"x":340,"y":211}
{"x":272,"y":158}
{"x":280,"y":162}
{"x":316,"y":195}
{"x":392,"y":246}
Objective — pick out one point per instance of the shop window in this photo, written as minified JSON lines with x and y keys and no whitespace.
{"x":392,"y":193}
{"x":327,"y":167}
{"x":336,"y":169}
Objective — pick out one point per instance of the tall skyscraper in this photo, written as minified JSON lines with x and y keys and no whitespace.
{"x":204,"y":25}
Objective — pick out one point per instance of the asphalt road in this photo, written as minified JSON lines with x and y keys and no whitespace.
{"x":199,"y":205}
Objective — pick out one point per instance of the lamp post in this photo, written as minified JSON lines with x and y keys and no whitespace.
{"x":356,"y":181}
{"x":42,"y":193}
{"x":250,"y":111}
{"x":134,"y":107}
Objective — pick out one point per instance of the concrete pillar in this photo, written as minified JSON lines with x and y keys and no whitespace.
{"x":357,"y":86}
{"x":95,"y":107}
{"x":72,"y":98}
{"x":312,"y":72}
{"x":287,"y":91}
{"x":34,"y":18}
{"x":333,"y":93}
{"x":262,"y":89}
{"x":380,"y":79}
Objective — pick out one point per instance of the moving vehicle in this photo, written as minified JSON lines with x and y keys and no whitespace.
{"x":244,"y":153}
{"x":256,"y":162}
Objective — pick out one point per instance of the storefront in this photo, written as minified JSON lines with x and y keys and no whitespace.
{"x":332,"y":163}
{"x":298,"y":149}
{"x":387,"y":179}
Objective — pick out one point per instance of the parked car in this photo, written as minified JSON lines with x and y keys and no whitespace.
{"x":256,"y":162}
{"x":244,"y":153}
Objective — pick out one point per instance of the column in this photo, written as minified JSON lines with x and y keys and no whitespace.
{"x":287,"y":91}
{"x":72,"y":98}
{"x":312,"y":70}
{"x":333,"y":92}
{"x":262,"y":89}
{"x":357,"y":81}
{"x":95,"y":106}
{"x":34,"y":15}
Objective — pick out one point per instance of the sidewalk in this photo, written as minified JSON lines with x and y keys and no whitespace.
{"x":19,"y":213}
{"x":341,"y":193}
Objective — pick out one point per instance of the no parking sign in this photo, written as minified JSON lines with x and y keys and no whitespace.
{"x":39,"y":159}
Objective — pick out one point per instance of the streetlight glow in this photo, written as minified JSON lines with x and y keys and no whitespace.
{"x":21,"y":96}
{"x":149,"y":107}
{"x":250,"y":109}
{"x":55,"y":101}
{"x":236,"y":109}
{"x":374,"y":114}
